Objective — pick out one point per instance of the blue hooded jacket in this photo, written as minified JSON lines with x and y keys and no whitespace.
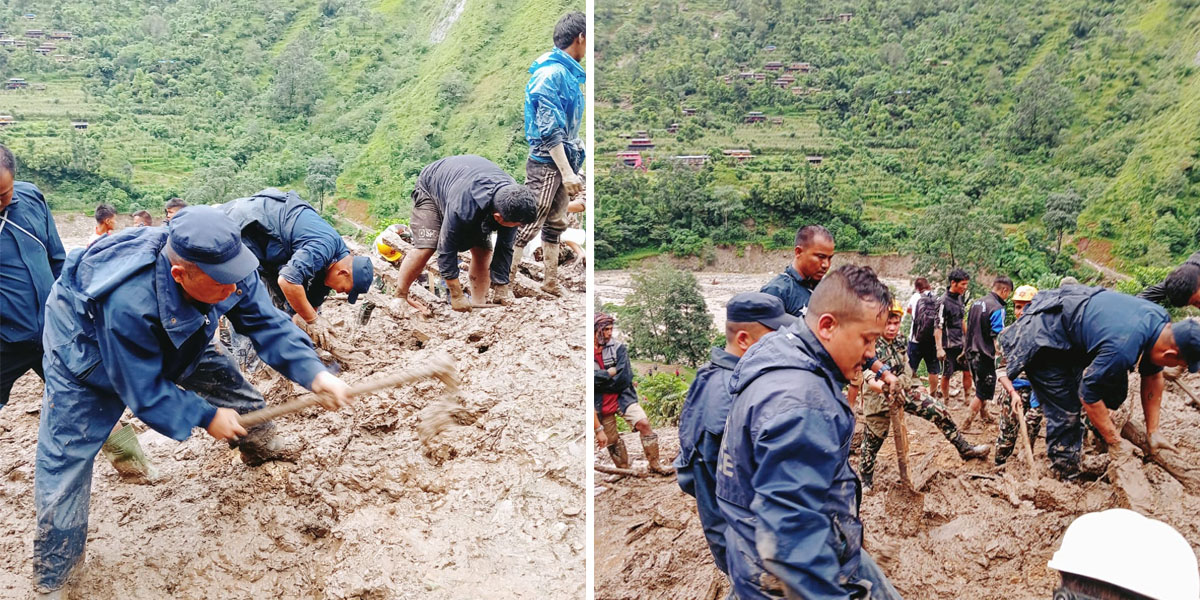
{"x":31,"y":257}
{"x":117,"y":322}
{"x":784,"y":481}
{"x":554,"y":107}
{"x":701,"y":427}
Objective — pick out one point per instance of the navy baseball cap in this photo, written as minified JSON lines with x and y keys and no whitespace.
{"x":364,"y":276}
{"x":208,"y":237}
{"x":1187,"y":337}
{"x":749,"y":307}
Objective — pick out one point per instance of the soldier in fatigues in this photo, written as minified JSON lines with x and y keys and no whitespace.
{"x":891,"y":351}
{"x":1015,"y":388}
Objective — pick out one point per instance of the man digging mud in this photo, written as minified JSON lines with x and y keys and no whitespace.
{"x":554,"y":107}
{"x":1076,"y":344}
{"x":1180,"y":288}
{"x":1016,"y":395}
{"x":130,"y":323}
{"x":784,"y":482}
{"x":458,"y":202}
{"x":890,"y":349}
{"x":613,"y":376}
{"x":300,"y":258}
{"x":748,"y":317}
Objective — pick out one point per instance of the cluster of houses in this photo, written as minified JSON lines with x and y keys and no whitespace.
{"x":46,"y":47}
{"x":9,"y":120}
{"x":785,"y":76}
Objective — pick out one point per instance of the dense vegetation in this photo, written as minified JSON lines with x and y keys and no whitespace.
{"x":208,"y":100}
{"x":1005,"y":130}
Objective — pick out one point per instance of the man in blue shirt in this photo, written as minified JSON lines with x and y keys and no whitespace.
{"x":985,"y":321}
{"x":784,"y":482}
{"x":813,"y":254}
{"x":1077,"y":345}
{"x":300,"y":256}
{"x":31,"y":256}
{"x":553,"y":113}
{"x":458,"y":201}
{"x":130,"y":323}
{"x":748,"y":317}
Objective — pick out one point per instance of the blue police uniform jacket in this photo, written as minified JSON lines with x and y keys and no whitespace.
{"x":289,"y":238}
{"x":784,"y":481}
{"x":701,"y":427}
{"x":1104,"y":333}
{"x":794,"y":290}
{"x":117,"y":322}
{"x":28,"y":266}
{"x":554,"y":106}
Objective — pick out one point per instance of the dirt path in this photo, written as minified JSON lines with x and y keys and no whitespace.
{"x":495,"y":509}
{"x":980,"y":532}
{"x":1107,"y":272}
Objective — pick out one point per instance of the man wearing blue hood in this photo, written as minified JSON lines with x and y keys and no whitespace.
{"x":130,"y":323}
{"x":784,"y":482}
{"x":300,"y":257}
{"x":553,"y":113}
{"x":748,"y":317}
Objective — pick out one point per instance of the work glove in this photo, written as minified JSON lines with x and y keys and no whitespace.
{"x":319,"y":330}
{"x":458,"y":301}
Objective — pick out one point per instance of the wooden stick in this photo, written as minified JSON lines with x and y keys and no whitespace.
{"x":900,"y":434}
{"x":1192,"y":399}
{"x":620,"y":471}
{"x":440,"y":366}
{"x":1026,"y":449}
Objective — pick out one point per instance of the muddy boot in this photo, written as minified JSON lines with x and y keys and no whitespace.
{"x":515,"y":268}
{"x":650,"y":449}
{"x":620,"y":456}
{"x":125,"y":453}
{"x":59,"y":594}
{"x":458,"y":301}
{"x":967,"y":451}
{"x":550,"y":263}
{"x":502,"y":294}
{"x":262,"y":446}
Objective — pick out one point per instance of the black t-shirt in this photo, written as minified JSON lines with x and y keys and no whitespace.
{"x":950,"y":319}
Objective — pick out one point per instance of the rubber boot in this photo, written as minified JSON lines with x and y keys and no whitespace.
{"x":515,"y":268}
{"x":261,"y":445}
{"x":502,"y":294}
{"x":458,"y":301}
{"x":620,"y":456}
{"x":125,"y":453}
{"x":967,"y":451}
{"x":650,"y":449}
{"x":550,"y":260}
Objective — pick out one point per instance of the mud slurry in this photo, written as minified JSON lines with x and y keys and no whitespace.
{"x":977,"y":531}
{"x":493,"y":505}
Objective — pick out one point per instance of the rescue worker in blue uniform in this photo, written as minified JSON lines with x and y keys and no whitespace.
{"x":300,"y":257}
{"x":1077,"y":344}
{"x":784,"y":482}
{"x":31,"y":257}
{"x":813,"y":254}
{"x":130,"y":323}
{"x":748,"y":317}
{"x":554,"y":106}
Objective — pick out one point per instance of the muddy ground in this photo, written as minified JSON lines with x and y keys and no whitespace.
{"x":979,"y":531}
{"x":493,"y":506}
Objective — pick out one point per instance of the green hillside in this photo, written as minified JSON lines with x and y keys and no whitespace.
{"x":209,"y":100}
{"x":921,"y":111}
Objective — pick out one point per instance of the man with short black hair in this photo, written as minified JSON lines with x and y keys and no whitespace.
{"x":106,"y":223}
{"x":948,"y":330}
{"x":748,"y":317}
{"x":142,"y":218}
{"x":813,"y":254}
{"x":31,"y":257}
{"x":554,"y":106}
{"x":985,"y":321}
{"x":130,"y":324}
{"x":921,"y":345}
{"x":173,"y":206}
{"x":784,"y":482}
{"x":458,"y":201}
{"x":1180,"y":288}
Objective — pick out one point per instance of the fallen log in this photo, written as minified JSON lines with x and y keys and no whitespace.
{"x":1168,"y":459}
{"x":619,"y":471}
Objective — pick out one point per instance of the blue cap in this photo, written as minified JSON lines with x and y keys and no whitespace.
{"x":364,"y":276}
{"x":208,"y":237}
{"x":1187,"y":337}
{"x":749,"y":307}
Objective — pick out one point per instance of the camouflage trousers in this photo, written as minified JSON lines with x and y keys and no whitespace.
{"x":1010,"y":428}
{"x":877,"y":423}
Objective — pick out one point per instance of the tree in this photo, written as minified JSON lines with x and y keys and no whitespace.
{"x":299,"y":80}
{"x":666,"y":317}
{"x":953,"y":234}
{"x":454,"y":88}
{"x":322,"y":178}
{"x":1041,"y":110}
{"x":1062,"y":210}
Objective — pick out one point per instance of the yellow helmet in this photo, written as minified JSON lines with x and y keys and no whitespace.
{"x":896,"y":308}
{"x":389,"y":253}
{"x":1024,"y":293}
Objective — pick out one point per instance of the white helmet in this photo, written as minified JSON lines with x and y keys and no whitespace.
{"x":1154,"y":559}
